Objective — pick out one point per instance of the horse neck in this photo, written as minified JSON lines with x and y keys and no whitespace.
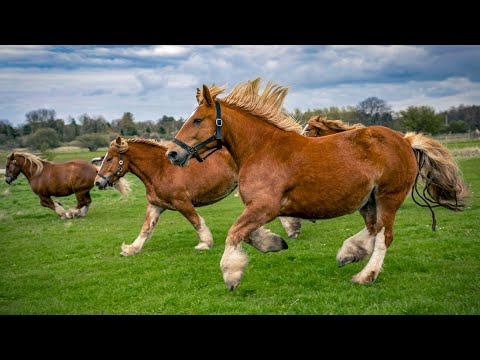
{"x":144,"y":160}
{"x":244,"y":134}
{"x":28,"y":167}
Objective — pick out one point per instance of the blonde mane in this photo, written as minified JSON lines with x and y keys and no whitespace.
{"x":322,"y":123}
{"x":32,"y":160}
{"x":267,"y":105}
{"x":124,"y":143}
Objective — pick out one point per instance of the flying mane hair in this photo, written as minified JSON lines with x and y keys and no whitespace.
{"x":32,"y":160}
{"x":268,"y":105}
{"x":123,"y":146}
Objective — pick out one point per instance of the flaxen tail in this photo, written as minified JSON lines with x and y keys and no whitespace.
{"x":439,"y":173}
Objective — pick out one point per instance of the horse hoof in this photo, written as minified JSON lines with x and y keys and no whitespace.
{"x":128,"y":250}
{"x":294,"y":235}
{"x":232,"y":285}
{"x":203,"y":246}
{"x":363,"y":280}
{"x":346,"y":260}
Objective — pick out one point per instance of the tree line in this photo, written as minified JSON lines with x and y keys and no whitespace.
{"x":42,"y":130}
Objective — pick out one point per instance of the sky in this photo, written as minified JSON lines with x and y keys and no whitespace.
{"x":152,"y":81}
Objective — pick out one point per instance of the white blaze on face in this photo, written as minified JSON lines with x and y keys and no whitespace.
{"x":304,"y":130}
{"x":104,"y":158}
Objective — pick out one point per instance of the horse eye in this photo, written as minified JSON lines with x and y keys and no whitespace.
{"x":197,"y":121}
{"x":109,"y":160}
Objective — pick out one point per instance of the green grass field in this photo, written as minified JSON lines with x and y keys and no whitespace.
{"x":54,"y":266}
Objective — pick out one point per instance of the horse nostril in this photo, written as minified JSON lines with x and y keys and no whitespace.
{"x":172,"y":155}
{"x":97,"y":184}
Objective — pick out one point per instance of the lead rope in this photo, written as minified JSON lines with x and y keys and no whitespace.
{"x":425,"y":198}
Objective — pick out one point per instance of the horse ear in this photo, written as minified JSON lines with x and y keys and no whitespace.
{"x":199,"y":96}
{"x":11,"y":157}
{"x":119,"y":140}
{"x":207,"y":96}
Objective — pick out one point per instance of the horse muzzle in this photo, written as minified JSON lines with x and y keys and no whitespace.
{"x":101,"y":184}
{"x":9,"y":179}
{"x":179,"y":157}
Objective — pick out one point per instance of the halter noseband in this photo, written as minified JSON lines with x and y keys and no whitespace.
{"x":192,"y":150}
{"x":114,"y":173}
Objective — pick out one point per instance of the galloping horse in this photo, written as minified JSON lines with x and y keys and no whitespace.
{"x":282,"y":173}
{"x":49,"y":179}
{"x":173,"y":188}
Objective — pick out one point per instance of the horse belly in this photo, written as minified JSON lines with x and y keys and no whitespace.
{"x":215,"y":191}
{"x":328,"y":203}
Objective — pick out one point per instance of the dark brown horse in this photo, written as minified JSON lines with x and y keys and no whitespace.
{"x":49,"y":179}
{"x":282,"y":173}
{"x":170,"y":187}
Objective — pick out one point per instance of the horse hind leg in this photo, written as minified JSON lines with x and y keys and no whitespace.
{"x":360,"y":245}
{"x":151,"y":218}
{"x":83,"y":202}
{"x":205,"y":237}
{"x":291,"y":225}
{"x":356,"y":248}
{"x":265,"y":240}
{"x":383,"y":231}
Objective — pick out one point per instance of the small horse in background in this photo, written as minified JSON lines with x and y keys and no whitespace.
{"x":319,"y":126}
{"x":282,"y":173}
{"x":170,"y":187}
{"x":49,"y":179}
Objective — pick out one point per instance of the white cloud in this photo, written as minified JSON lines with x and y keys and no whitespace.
{"x":398,"y":95}
{"x":151,"y":81}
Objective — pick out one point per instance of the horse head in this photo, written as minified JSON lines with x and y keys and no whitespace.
{"x":201,"y":132}
{"x":114,"y":164}
{"x":12,"y":168}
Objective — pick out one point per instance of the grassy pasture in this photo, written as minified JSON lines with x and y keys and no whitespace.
{"x":53,"y":266}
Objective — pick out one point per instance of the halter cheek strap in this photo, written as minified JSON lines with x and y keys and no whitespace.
{"x":217,"y":136}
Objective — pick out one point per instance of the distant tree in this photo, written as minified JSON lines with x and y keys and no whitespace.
{"x":421,"y":119}
{"x":374,"y":111}
{"x":71,"y":130}
{"x":8,"y":130}
{"x":126,"y":125}
{"x":167,"y":126}
{"x":457,"y":126}
{"x":8,"y":134}
{"x":470,"y":114}
{"x":43,"y":139}
{"x":93,"y":125}
{"x":92,"y":141}
{"x":40,"y":118}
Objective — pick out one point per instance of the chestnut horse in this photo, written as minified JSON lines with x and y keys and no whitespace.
{"x":173,"y":188}
{"x":282,"y":173}
{"x":49,"y":179}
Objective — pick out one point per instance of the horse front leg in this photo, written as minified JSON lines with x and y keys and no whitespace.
{"x":234,"y":259}
{"x":151,"y":218}
{"x":205,"y":237}
{"x":54,"y":205}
